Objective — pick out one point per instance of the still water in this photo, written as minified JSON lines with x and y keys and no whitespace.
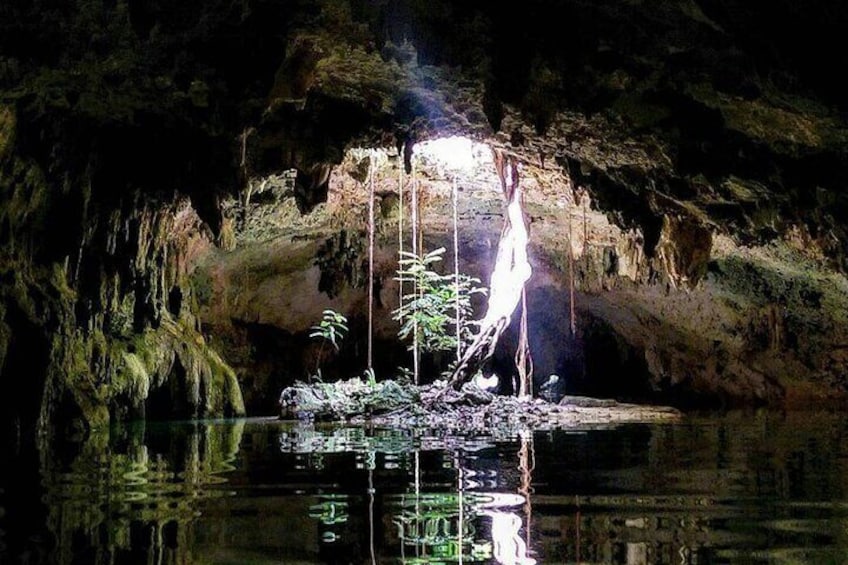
{"x":736,"y":488}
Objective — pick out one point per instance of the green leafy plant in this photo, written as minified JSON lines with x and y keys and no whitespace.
{"x":431,"y":310}
{"x":404,"y":375}
{"x":332,"y":328}
{"x":371,"y":377}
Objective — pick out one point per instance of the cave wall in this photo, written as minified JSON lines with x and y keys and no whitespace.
{"x":676,"y":121}
{"x":97,"y":313}
{"x":111,"y":159}
{"x":693,"y":324}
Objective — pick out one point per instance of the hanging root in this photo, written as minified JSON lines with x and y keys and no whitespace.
{"x":371,"y":229}
{"x":523,"y":359}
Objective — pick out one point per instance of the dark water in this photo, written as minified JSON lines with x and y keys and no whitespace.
{"x":764,"y":488}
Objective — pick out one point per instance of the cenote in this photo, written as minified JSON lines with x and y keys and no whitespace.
{"x":423,"y":281}
{"x":746,"y":487}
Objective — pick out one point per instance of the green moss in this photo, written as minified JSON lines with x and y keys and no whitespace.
{"x":225,"y":394}
{"x":365,"y":76}
{"x":59,"y":283}
{"x":763,"y":283}
{"x":120,"y":318}
{"x":147,"y":363}
{"x":79,"y":358}
{"x":774,"y":125}
{"x":201,"y":285}
{"x":24,"y":193}
{"x":134,"y":380}
{"x":226,"y":239}
{"x":809,"y":303}
{"x":743,"y":190}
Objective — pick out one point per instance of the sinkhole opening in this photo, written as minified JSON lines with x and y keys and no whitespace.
{"x":457,"y":155}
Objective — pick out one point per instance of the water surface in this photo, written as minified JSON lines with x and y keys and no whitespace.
{"x":738,"y":488}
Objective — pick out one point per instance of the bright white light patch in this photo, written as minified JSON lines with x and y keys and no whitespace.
{"x":455,"y":154}
{"x":509,"y":548}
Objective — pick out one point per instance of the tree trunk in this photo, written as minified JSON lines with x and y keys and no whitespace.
{"x":512,"y":270}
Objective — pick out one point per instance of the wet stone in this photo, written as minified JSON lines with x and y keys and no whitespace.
{"x":402,"y":405}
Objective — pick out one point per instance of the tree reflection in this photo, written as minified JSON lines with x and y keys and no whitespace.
{"x":453,"y":508}
{"x":468,"y":524}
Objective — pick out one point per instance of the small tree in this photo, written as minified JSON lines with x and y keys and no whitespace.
{"x":332,"y":328}
{"x":431,"y":310}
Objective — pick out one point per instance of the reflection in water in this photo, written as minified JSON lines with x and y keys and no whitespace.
{"x":467,"y":524}
{"x":121,"y":498}
{"x":767,"y":489}
{"x":445,"y":528}
{"x":331,"y":511}
{"x":509,"y":548}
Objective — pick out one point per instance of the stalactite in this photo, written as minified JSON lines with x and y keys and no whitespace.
{"x":243,"y":162}
{"x":248,"y":188}
{"x":131,"y":335}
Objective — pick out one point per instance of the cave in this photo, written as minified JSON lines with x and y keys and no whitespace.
{"x":213,"y":213}
{"x":671,"y":213}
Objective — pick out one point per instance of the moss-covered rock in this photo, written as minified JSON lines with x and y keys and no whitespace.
{"x":436,"y":406}
{"x":345,"y":399}
{"x":112,"y":319}
{"x":175,"y":358}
